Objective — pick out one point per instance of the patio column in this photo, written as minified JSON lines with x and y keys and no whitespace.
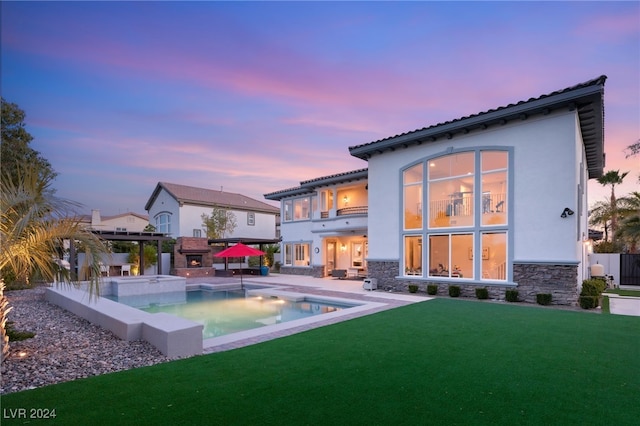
{"x":159,"y":247}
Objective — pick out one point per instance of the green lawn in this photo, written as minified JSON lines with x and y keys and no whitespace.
{"x":624,"y":292}
{"x":441,"y":362}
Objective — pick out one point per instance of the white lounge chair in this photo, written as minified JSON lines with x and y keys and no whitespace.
{"x":125,"y":268}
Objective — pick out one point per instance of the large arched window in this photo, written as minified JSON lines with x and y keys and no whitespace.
{"x":463,"y":232}
{"x":163,"y":223}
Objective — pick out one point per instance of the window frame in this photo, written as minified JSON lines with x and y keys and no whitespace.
{"x":297,"y":254}
{"x":297,"y":204}
{"x":477,"y":229}
{"x":159,"y":223}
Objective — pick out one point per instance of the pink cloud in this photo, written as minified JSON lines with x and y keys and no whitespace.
{"x":611,"y":27}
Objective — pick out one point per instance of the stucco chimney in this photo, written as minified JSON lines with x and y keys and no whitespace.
{"x":95,"y":218}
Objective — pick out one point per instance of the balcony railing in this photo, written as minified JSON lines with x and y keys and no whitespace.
{"x":352,"y":210}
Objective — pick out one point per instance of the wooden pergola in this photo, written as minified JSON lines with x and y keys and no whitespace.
{"x":140,"y":237}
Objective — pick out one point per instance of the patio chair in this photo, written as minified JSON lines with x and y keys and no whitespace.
{"x":104,"y":270}
{"x":125,"y":268}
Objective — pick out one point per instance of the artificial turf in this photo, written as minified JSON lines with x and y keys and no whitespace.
{"x":442,"y":362}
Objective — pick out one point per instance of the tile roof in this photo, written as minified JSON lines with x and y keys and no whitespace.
{"x":210,"y":197}
{"x":586,"y":98}
{"x":308,"y":186}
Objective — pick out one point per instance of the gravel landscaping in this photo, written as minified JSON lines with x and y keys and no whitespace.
{"x":65,"y":346}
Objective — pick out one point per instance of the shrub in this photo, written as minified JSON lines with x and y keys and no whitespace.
{"x":454,"y":290}
{"x":482,"y":293}
{"x":588,"y":302}
{"x":432,"y":289}
{"x":15,"y":335}
{"x":591,"y":291}
{"x":593,"y":287}
{"x":543,"y":298}
{"x":511,"y":295}
{"x":413,"y":288}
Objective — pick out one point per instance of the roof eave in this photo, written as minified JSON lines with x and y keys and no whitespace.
{"x":336,"y":179}
{"x":575,"y":99}
{"x":279,"y":195}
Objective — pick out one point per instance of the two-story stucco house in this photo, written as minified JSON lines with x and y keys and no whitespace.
{"x":124,"y":222}
{"x":324,"y":225}
{"x":497,"y":199}
{"x":177,"y":210}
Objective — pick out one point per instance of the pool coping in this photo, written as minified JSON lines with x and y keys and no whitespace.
{"x":283,"y":292}
{"x":178,"y":337}
{"x":358,"y":307}
{"x":175,"y":337}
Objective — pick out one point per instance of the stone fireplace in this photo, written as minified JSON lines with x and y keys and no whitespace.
{"x":192,"y":257}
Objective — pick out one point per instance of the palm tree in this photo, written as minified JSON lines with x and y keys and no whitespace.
{"x":613,"y":178}
{"x":34,"y":224}
{"x":629,"y":230}
{"x":600,"y":215}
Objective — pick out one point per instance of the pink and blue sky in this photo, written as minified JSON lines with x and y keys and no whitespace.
{"x":254,"y":97}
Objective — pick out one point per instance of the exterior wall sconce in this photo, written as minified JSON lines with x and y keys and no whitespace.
{"x":345,"y":199}
{"x":566,"y":212}
{"x":343,"y":247}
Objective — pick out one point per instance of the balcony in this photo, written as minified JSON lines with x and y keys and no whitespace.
{"x":346,"y":211}
{"x":341,"y":220}
{"x":360,"y":210}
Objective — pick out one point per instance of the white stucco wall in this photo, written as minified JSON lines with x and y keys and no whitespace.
{"x":191,"y":218}
{"x":544,"y":182}
{"x":166,"y":203}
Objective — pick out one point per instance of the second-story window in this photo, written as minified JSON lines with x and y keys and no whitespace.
{"x":163,"y":223}
{"x":297,"y":209}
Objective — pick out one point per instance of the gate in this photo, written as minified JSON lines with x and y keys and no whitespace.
{"x":630,"y":269}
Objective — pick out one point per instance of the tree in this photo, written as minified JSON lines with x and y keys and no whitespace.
{"x":634,"y":149}
{"x":629,"y":230}
{"x":15,"y":150}
{"x":600,"y":215}
{"x":34,"y":225}
{"x":149,"y":252}
{"x":220,"y":223}
{"x":613,"y":178}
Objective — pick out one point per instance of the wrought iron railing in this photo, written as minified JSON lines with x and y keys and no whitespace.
{"x":352,"y":210}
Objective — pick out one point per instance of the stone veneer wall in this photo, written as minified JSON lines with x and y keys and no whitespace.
{"x":386,"y":271}
{"x":308,"y":272}
{"x":561,"y":281}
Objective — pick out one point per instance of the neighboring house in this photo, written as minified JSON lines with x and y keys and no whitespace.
{"x":125,"y":222}
{"x":324,"y":225}
{"x":497,"y":199}
{"x":177,"y":210}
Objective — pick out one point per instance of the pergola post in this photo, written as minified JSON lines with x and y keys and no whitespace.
{"x":141,"y":254}
{"x":159,"y":250}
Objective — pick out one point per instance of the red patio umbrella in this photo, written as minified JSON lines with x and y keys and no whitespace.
{"x":239,"y":250}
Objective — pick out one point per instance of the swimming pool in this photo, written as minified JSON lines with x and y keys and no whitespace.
{"x":229,"y":311}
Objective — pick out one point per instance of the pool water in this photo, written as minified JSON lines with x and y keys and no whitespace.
{"x":224,"y":312}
